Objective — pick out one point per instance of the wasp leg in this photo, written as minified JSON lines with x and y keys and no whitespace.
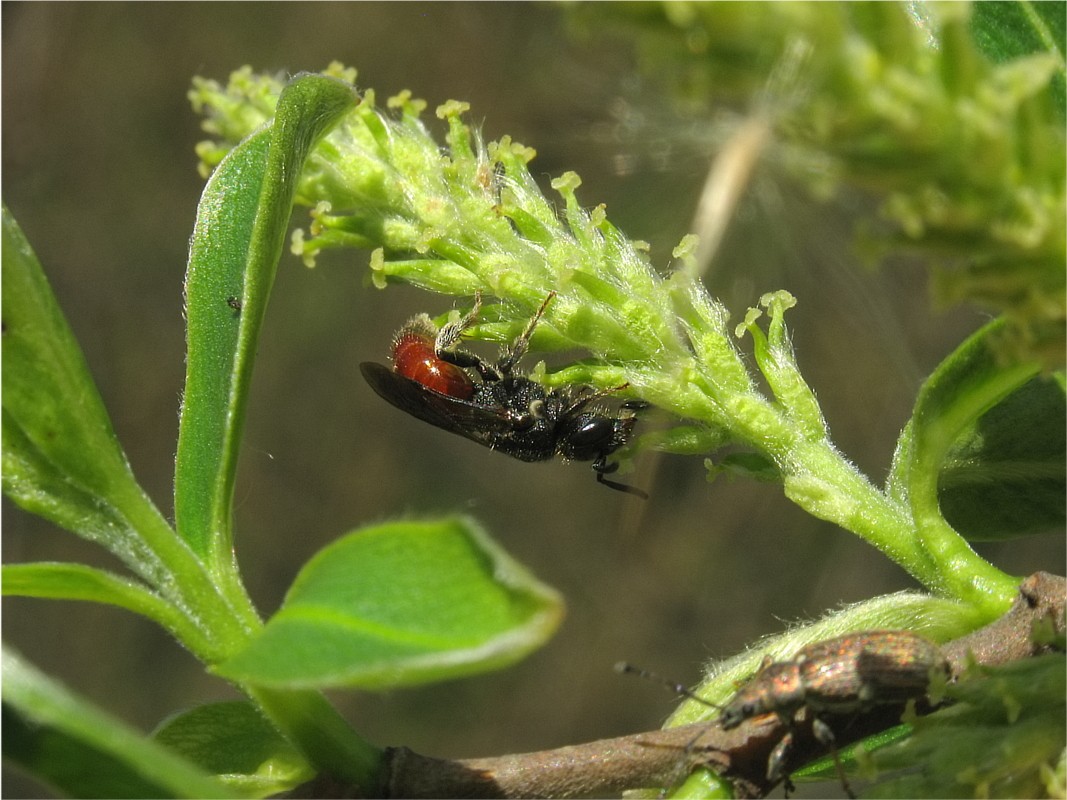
{"x":450,"y":334}
{"x":444,"y":345}
{"x":602,"y":467}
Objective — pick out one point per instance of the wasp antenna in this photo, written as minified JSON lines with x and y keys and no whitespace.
{"x":582,"y":400}
{"x":527,"y":332}
{"x":519,"y":347}
{"x":541,"y":310}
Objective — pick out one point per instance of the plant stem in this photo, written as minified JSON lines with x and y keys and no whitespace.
{"x":961,"y":571}
{"x":830,"y":488}
{"x":323,"y":736}
{"x":224,"y":626}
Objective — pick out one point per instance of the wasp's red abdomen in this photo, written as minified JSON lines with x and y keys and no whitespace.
{"x":414,"y":358}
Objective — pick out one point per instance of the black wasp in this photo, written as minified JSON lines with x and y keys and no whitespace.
{"x":433,"y":380}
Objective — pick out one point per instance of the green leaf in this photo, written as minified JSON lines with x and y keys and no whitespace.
{"x":1008,"y":30}
{"x":217,"y":263}
{"x":1003,"y":737}
{"x":238,"y":238}
{"x":850,"y":757}
{"x":61,"y":459}
{"x":235,"y":742}
{"x":48,"y":392}
{"x":41,"y":486}
{"x":397,"y":604}
{"x":967,"y":384}
{"x":1006,"y":475}
{"x":84,"y":752}
{"x":60,"y":581}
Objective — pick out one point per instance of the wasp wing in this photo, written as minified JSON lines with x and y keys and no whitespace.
{"x":472,"y":421}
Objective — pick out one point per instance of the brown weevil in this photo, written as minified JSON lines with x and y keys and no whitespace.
{"x":844,"y":675}
{"x":847,"y":674}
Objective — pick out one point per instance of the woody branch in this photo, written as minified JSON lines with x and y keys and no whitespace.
{"x":656,"y":758}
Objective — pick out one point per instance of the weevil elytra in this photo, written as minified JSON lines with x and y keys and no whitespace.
{"x":847,"y":674}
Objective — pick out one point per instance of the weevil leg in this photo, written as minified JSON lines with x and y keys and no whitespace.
{"x":776,"y":762}
{"x":825,"y":737}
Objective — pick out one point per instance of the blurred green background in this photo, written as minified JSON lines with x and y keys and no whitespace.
{"x":99,"y":169}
